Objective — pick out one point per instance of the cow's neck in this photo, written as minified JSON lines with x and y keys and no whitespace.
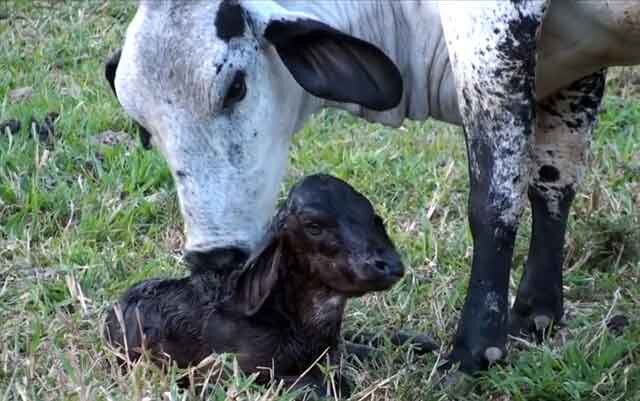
{"x":410,"y":33}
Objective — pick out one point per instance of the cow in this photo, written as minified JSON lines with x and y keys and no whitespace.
{"x":221,"y":86}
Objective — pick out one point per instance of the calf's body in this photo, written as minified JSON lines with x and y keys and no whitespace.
{"x":285,"y":308}
{"x":191,"y":318}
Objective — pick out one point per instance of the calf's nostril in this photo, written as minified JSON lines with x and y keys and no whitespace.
{"x":381,"y":265}
{"x":395,"y":268}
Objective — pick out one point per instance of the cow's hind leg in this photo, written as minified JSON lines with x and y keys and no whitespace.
{"x":492,"y":48}
{"x":565,"y":123}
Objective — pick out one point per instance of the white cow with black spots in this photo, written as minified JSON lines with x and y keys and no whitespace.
{"x":220,"y":87}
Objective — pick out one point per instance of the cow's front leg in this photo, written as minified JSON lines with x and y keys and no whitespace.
{"x":492,"y":47}
{"x":565,"y":123}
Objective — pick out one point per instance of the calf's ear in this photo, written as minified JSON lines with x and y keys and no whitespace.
{"x":333,"y":65}
{"x":259,"y":278}
{"x":110,"y":67}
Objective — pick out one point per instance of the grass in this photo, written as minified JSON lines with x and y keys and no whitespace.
{"x":80,"y":222}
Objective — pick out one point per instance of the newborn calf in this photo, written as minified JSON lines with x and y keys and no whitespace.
{"x":285,"y":308}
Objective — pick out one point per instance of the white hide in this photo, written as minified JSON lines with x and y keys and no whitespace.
{"x":228,"y":166}
{"x":476,"y":34}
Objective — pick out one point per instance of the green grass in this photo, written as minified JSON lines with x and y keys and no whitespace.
{"x":80,"y":222}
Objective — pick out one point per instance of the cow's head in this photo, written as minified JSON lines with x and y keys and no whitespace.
{"x":218,"y":86}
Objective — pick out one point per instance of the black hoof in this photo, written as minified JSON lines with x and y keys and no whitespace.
{"x":538,"y":325}
{"x":475,"y":362}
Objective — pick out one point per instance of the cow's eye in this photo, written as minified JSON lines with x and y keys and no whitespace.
{"x":237,"y":90}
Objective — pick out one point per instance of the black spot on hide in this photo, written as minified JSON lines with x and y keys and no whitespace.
{"x":235,"y":154}
{"x":518,"y":47}
{"x":229,"y":20}
{"x":575,"y":124}
{"x":549,"y":174}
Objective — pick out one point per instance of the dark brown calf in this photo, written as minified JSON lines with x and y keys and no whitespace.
{"x":285,"y":308}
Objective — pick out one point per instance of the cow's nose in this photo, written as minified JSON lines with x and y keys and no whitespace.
{"x":216,"y":259}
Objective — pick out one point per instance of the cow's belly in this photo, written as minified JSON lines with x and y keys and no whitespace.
{"x":621,"y":17}
{"x":581,"y":37}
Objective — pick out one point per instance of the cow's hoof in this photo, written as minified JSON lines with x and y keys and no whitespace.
{"x":475,"y":362}
{"x":538,"y":325}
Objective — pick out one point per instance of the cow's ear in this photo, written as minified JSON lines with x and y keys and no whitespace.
{"x":332,"y":65}
{"x":110,"y":67}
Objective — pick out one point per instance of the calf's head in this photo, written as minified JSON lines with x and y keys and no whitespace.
{"x":220,"y":86}
{"x":329,"y":233}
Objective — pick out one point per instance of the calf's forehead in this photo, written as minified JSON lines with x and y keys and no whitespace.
{"x":331,"y":196}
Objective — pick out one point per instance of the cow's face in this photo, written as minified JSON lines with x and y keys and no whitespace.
{"x":219,"y":87}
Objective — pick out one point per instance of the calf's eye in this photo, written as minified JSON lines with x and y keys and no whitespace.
{"x":313,"y":229}
{"x":237,"y":90}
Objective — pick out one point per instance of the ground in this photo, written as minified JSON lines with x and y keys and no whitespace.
{"x":81,"y":219}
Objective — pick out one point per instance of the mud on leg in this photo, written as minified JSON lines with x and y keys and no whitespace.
{"x":493,"y":48}
{"x":565,"y":123}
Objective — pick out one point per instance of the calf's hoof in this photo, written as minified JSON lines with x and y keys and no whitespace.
{"x":360,"y":352}
{"x":421,"y":343}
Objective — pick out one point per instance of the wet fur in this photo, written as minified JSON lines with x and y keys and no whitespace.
{"x":283,"y":310}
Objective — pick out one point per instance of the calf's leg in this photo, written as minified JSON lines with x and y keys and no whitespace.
{"x":492,"y":46}
{"x":565,"y":123}
{"x":362,"y":342}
